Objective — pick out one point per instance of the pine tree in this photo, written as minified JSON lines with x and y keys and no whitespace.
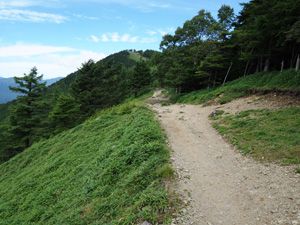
{"x":25,"y":116}
{"x":65,"y":113}
{"x":140,"y":77}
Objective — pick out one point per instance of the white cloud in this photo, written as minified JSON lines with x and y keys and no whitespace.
{"x":25,"y":50}
{"x":149,"y":40}
{"x":26,"y":15}
{"x":94,"y":38}
{"x":133,"y":39}
{"x":28,"y":3}
{"x":114,"y":36}
{"x":151,"y":32}
{"x":125,"y":37}
{"x":104,"y":38}
{"x":85,"y":17}
{"x":50,"y":61}
{"x":162,"y":32}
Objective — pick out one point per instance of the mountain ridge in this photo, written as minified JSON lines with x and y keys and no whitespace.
{"x":7,"y":95}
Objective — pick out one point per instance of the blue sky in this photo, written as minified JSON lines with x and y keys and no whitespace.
{"x":57,"y":36}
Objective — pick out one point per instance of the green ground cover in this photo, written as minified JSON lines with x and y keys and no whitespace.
{"x":109,"y":170}
{"x":289,"y":79}
{"x":264,"y":134}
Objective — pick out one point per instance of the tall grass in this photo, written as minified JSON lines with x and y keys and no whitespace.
{"x":105,"y":171}
{"x":265,"y":134}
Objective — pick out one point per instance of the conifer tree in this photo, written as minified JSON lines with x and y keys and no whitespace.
{"x":25,"y":116}
{"x":140,"y":77}
{"x":65,"y":113}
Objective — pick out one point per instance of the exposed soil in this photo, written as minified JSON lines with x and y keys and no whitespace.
{"x":218,"y":184}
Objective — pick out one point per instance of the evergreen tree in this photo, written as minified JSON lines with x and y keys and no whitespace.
{"x":99,"y":85}
{"x":140,"y":77}
{"x":25,"y":116}
{"x":65,"y":113}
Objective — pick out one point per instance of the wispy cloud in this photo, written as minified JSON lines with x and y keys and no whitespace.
{"x":151,"y":32}
{"x":52,"y":61}
{"x":149,"y":40}
{"x":125,"y":37}
{"x":162,"y":32}
{"x":134,"y":39}
{"x":104,"y":38}
{"x":28,"y":3}
{"x":114,"y":36}
{"x":25,"y":50}
{"x":26,"y":15}
{"x":94,"y":38}
{"x":143,"y":6}
{"x":166,"y":31}
{"x":85,"y":17}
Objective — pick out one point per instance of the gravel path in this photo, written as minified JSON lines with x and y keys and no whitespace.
{"x":219,"y":185}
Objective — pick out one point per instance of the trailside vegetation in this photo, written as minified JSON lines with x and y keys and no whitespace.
{"x":266,"y":135}
{"x":70,"y":101}
{"x":287,"y":82}
{"x":108,"y":170}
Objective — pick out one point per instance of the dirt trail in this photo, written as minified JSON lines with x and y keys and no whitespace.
{"x":219,"y":185}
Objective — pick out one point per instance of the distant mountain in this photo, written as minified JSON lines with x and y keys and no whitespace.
{"x":7,"y":95}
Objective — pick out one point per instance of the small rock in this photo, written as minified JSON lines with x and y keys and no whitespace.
{"x":218,"y":156}
{"x":146,"y":223}
{"x":295,"y":222}
{"x":214,"y":113}
{"x":280,"y":221}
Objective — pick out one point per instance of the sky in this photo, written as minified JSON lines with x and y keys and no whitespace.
{"x":57,"y":36}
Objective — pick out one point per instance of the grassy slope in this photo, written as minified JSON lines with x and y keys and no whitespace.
{"x":136,"y":57}
{"x":265,"y":135}
{"x":106,"y":171}
{"x":289,"y":79}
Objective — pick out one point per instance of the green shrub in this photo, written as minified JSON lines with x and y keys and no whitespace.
{"x":165,"y":171}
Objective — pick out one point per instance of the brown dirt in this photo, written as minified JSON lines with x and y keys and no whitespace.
{"x":219,"y":185}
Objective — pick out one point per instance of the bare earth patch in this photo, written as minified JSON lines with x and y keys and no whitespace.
{"x":219,"y":185}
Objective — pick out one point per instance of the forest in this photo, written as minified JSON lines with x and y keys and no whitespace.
{"x":203,"y":53}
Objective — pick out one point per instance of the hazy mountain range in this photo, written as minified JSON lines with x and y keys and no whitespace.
{"x":7,"y":95}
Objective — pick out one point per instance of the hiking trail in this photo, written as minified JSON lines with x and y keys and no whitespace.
{"x":218,"y":184}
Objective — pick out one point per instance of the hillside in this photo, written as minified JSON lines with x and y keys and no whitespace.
{"x":7,"y":95}
{"x":123,"y":58}
{"x":287,"y":82}
{"x":106,"y":171}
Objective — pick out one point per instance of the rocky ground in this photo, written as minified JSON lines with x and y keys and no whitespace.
{"x":217,"y":183}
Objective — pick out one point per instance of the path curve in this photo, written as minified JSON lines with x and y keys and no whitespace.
{"x":220,"y":185}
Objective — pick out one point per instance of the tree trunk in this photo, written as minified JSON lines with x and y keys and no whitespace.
{"x":267,"y":65}
{"x":293,"y":54}
{"x":227,"y":74}
{"x":268,"y":59}
{"x":282,"y":64}
{"x":297,"y":63}
{"x":248,"y":62}
{"x":257,"y":66}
